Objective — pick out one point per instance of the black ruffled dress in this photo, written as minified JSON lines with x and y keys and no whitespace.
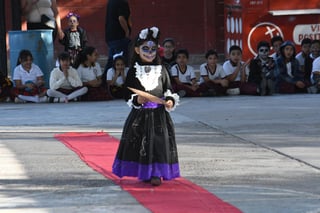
{"x":147,"y":147}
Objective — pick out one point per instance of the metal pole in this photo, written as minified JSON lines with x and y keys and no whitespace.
{"x":3,"y":45}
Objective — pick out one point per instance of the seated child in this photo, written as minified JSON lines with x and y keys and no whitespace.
{"x":290,"y":78}
{"x":315,"y":76}
{"x":185,"y":82}
{"x":305,"y":51}
{"x":65,"y":83}
{"x":116,"y":76}
{"x":261,"y":76}
{"x":90,"y":73}
{"x":169,"y":58}
{"x":314,"y":53}
{"x":212,"y":76}
{"x":276,"y":42}
{"x":235,"y":70}
{"x":28,"y":80}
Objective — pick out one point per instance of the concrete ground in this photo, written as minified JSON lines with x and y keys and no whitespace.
{"x":260,"y":154}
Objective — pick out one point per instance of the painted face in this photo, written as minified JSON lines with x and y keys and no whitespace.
{"x":119,"y":65}
{"x":27,"y":63}
{"x":73,"y":22}
{"x":235,"y":56}
{"x":147,"y":51}
{"x":263,"y":52}
{"x":182,"y":60}
{"x":212,"y":60}
{"x":64,"y":64}
{"x":288,"y":52}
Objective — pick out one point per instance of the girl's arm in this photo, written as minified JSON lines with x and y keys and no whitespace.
{"x":55,"y":80}
{"x":19,"y":84}
{"x":73,"y":78}
{"x":40,"y":81}
{"x":114,"y":78}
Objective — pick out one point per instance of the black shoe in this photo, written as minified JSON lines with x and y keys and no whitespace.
{"x":51,"y":99}
{"x":155,"y":181}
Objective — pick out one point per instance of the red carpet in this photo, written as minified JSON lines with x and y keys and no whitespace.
{"x":175,"y":196}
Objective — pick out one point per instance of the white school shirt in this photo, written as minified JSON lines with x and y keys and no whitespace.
{"x":315,"y":67}
{"x":119,"y":81}
{"x":204,"y":71}
{"x":229,"y":69}
{"x":21,"y":74}
{"x":89,"y":73}
{"x":58,"y":79}
{"x":186,"y":77}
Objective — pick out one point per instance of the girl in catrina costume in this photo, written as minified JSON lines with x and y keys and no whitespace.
{"x":147,"y":148}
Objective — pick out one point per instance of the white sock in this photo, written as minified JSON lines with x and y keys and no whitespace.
{"x":55,"y":94}
{"x":34,"y":99}
{"x":78,"y":93}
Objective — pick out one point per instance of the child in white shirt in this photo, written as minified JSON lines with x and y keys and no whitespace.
{"x":212,"y":75}
{"x":185,"y":82}
{"x":65,"y":83}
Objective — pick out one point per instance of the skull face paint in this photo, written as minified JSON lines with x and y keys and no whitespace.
{"x":263,"y":52}
{"x":147,"y":51}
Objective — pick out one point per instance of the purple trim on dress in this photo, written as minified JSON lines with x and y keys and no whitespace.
{"x":145,"y":172}
{"x":150,"y":105}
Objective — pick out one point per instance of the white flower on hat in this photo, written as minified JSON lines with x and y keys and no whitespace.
{"x":143,"y":34}
{"x":155,"y":31}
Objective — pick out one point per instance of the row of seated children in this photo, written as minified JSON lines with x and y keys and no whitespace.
{"x":262,"y":75}
{"x":310,"y":50}
{"x":67,"y":83}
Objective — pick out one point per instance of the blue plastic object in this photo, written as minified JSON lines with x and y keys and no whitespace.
{"x":39,"y":42}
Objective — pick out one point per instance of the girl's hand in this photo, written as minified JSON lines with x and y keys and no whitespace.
{"x":168,"y":104}
{"x":40,"y":83}
{"x":30,"y":85}
{"x":118,"y":73}
{"x":141,"y":100}
{"x":65,"y":72}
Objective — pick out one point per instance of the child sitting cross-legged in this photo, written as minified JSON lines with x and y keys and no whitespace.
{"x":184,"y":77}
{"x":65,"y":83}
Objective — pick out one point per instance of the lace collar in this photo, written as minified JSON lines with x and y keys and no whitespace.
{"x":148,"y":75}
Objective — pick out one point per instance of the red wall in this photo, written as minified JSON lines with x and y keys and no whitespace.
{"x":197,"y":26}
{"x":191,"y":24}
{"x":259,"y":24}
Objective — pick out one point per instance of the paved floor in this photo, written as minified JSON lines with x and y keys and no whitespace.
{"x":261,"y":154}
